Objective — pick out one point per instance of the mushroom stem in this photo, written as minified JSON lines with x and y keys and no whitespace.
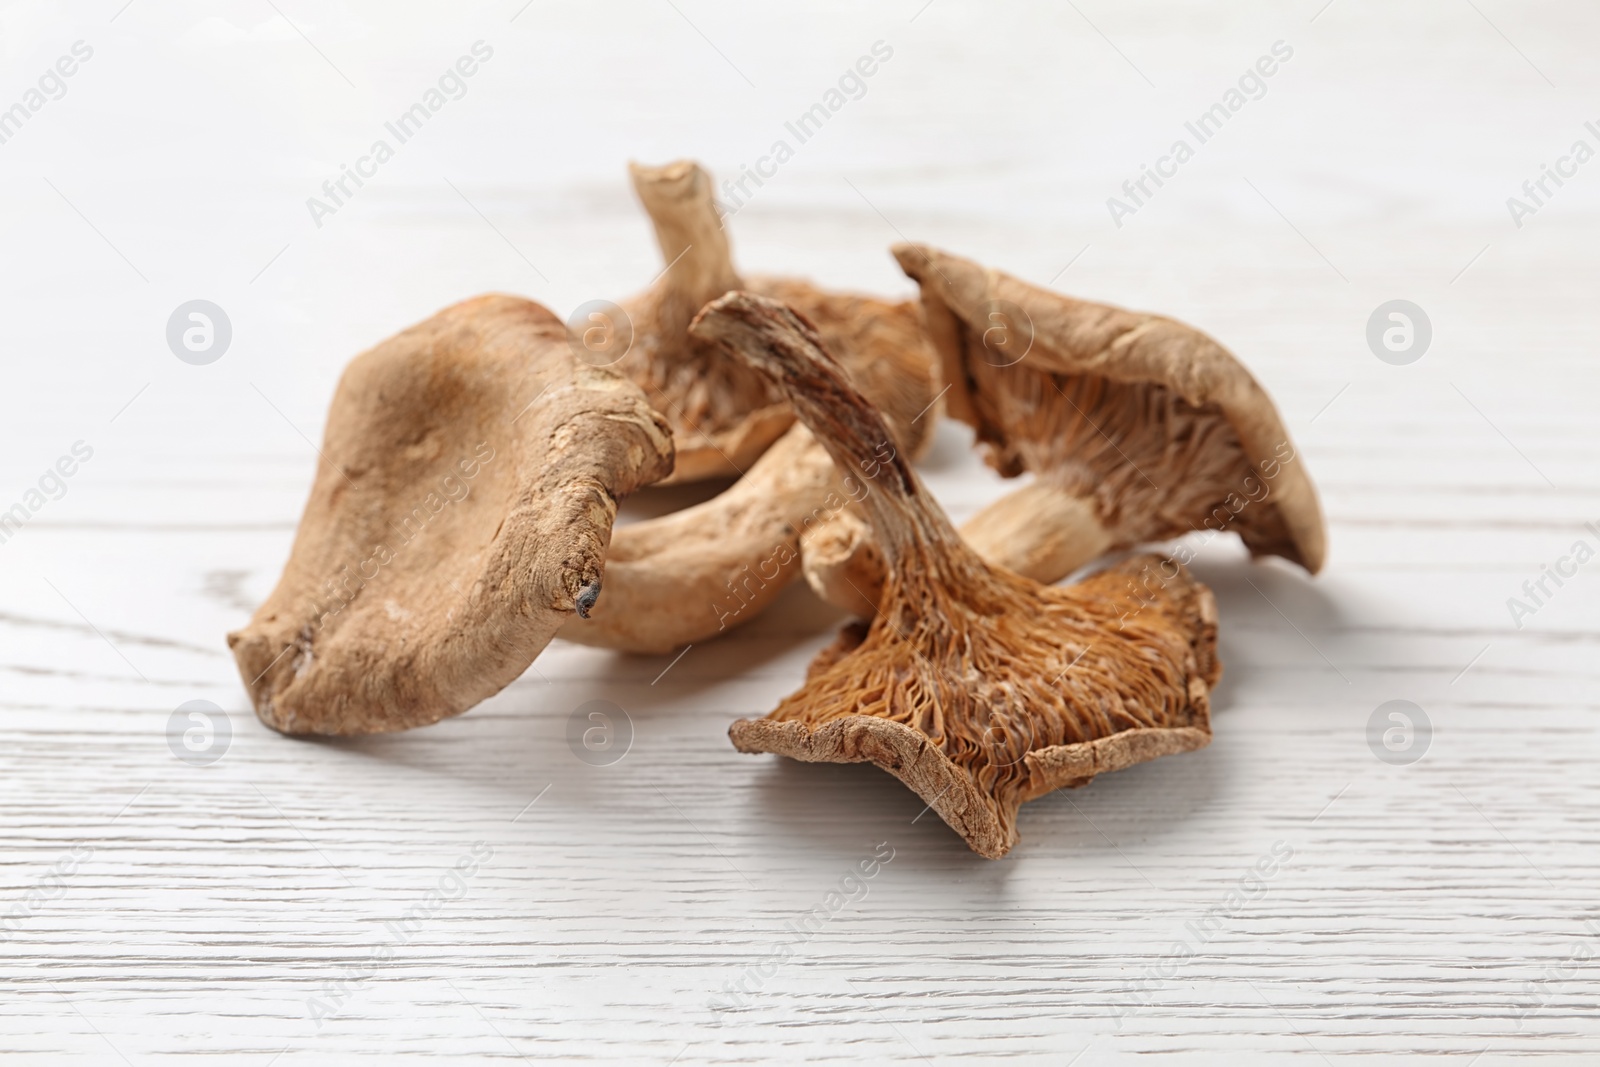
{"x":785,"y":346}
{"x":1038,"y":531}
{"x":696,"y":573}
{"x":678,"y":198}
{"x":723,"y":413}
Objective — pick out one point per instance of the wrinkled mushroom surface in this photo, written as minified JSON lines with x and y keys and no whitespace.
{"x":694,"y":574}
{"x":977,"y":687}
{"x":461,"y":510}
{"x":1136,"y":428}
{"x":723,"y":414}
{"x":1153,"y":424}
{"x":697,"y":573}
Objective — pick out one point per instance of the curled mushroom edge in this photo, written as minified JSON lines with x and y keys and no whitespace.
{"x":460,"y":513}
{"x":1136,"y":428}
{"x":977,"y":687}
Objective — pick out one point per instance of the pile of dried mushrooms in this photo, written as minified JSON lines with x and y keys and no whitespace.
{"x":463,"y":508}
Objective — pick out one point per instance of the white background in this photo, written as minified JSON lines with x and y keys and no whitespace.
{"x":1436,"y":908}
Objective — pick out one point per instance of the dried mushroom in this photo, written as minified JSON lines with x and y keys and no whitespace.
{"x":844,"y":566}
{"x":977,"y":687}
{"x":1136,"y":428}
{"x":695,"y":573}
{"x":699,"y":572}
{"x":723,"y":414}
{"x":461,"y":510}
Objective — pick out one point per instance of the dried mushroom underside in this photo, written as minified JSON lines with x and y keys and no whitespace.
{"x":1136,"y":428}
{"x":723,"y":414}
{"x":461,"y":510}
{"x":978,"y":688}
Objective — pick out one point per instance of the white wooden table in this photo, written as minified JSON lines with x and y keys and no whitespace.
{"x":254,"y":910}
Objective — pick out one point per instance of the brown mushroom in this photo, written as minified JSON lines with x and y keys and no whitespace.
{"x":723,"y":414}
{"x":977,"y":687}
{"x":844,"y":565}
{"x":696,"y":573}
{"x":1136,"y":428}
{"x":469,"y":478}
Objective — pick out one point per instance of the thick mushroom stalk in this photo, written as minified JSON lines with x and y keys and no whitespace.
{"x":1137,"y":428}
{"x":977,"y":687}
{"x":697,"y":573}
{"x":723,"y":414}
{"x":461,"y":511}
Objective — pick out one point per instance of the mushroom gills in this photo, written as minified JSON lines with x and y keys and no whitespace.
{"x":978,"y":687}
{"x":1135,"y":428}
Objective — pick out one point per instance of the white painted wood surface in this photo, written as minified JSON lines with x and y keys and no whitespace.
{"x":204,"y":914}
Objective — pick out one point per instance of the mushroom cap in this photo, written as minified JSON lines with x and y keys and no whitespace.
{"x":977,"y":687}
{"x":468,"y":480}
{"x":1049,"y":382}
{"x":1000,"y":705}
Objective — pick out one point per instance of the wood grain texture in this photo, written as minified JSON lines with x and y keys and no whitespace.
{"x":1443,"y":910}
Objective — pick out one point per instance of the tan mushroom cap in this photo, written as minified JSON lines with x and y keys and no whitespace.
{"x":977,"y":687}
{"x":1155,"y":426}
{"x":461,"y":510}
{"x":723,"y":414}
